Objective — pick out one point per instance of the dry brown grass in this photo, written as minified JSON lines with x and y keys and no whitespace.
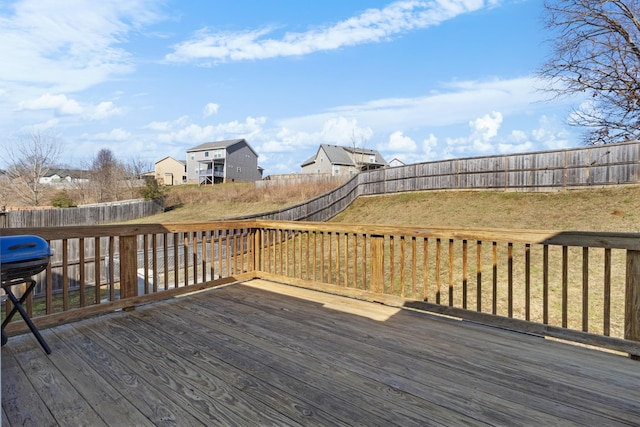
{"x":608,"y":209}
{"x":205,"y":203}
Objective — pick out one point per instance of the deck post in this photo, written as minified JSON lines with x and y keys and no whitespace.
{"x":632,"y":299}
{"x":377,"y":263}
{"x":128,"y":267}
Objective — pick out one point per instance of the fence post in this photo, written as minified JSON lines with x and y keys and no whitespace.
{"x":128,"y":266}
{"x":632,"y":299}
{"x":377,"y":263}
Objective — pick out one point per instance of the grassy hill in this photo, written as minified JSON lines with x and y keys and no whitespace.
{"x":601,"y":209}
{"x":608,"y":209}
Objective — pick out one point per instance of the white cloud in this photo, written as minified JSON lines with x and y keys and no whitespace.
{"x":428,"y":147}
{"x":485,"y":130}
{"x":371,"y":26}
{"x":210,"y":109}
{"x":194,"y":134}
{"x":551,"y":134}
{"x":105,"y":110}
{"x":67,"y":46}
{"x":60,"y":103}
{"x":455,"y":103}
{"x":114,"y":135}
{"x":168,"y":126}
{"x":398,"y":143}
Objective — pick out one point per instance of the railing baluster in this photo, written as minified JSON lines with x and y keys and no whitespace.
{"x":465,"y":273}
{"x":176,"y":260}
{"x":606,"y":327}
{"x":450,"y":272}
{"x":154,"y":262}
{"x":392,"y":264}
{"x":185,"y":254}
{"x":413,"y":266}
{"x":112,"y":273}
{"x":527,"y":281}
{"x":438,"y":250}
{"x":65,"y":274}
{"x":585,"y":289}
{"x":97,"y":271}
{"x":565,"y":285}
{"x":82,"y":278}
{"x":545,"y":284}
{"x":402,"y":267}
{"x":479,"y":276}
{"x":510,"y":279}
{"x":494,"y":280}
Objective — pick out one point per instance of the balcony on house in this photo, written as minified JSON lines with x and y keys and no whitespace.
{"x":211,"y":172}
{"x":298,"y":323}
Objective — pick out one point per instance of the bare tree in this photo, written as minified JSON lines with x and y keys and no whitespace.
{"x":595,"y":51}
{"x":358,"y":143}
{"x":30,"y":158}
{"x":134,"y":179}
{"x":107,"y":176}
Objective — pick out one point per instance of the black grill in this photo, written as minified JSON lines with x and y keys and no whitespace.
{"x":21,"y":258}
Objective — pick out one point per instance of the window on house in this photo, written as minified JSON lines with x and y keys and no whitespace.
{"x":372,"y":158}
{"x":206,"y":154}
{"x":239,"y":169}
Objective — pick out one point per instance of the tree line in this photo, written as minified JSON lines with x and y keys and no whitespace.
{"x":32,"y":156}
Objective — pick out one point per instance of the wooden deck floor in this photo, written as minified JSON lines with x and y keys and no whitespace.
{"x":265,"y":354}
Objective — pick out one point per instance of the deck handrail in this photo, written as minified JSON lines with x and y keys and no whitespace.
{"x":578,"y":286}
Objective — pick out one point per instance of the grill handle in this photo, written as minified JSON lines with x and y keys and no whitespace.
{"x":22,"y":245}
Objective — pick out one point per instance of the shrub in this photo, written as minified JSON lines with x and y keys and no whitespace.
{"x":62,"y":200}
{"x":152,"y":190}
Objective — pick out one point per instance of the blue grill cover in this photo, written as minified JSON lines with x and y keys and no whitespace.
{"x":23,"y":256}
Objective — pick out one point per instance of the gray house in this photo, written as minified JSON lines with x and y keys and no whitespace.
{"x":222,"y":161}
{"x":339,"y":160}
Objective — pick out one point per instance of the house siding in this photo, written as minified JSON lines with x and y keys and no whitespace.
{"x":236,"y":162}
{"x":170,"y":171}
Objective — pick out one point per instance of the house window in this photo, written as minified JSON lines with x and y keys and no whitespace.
{"x":239,"y":169}
{"x":206,"y":154}
{"x":193,"y":157}
{"x":372,"y":158}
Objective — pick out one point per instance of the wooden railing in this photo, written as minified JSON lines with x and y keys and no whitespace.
{"x":578,"y":286}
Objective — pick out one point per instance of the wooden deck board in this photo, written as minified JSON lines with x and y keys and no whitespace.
{"x":267,"y":354}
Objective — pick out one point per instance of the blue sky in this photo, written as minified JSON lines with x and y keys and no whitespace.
{"x":416,"y":80}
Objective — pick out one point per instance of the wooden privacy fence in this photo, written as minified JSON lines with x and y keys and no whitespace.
{"x":583,"y":287}
{"x":585,"y":167}
{"x":99,"y":213}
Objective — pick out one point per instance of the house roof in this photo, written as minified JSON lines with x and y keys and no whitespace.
{"x":339,"y":155}
{"x":220,"y":144}
{"x":184,"y":162}
{"x":64,"y":173}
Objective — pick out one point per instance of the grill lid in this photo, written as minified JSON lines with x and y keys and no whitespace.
{"x":22,"y":248}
